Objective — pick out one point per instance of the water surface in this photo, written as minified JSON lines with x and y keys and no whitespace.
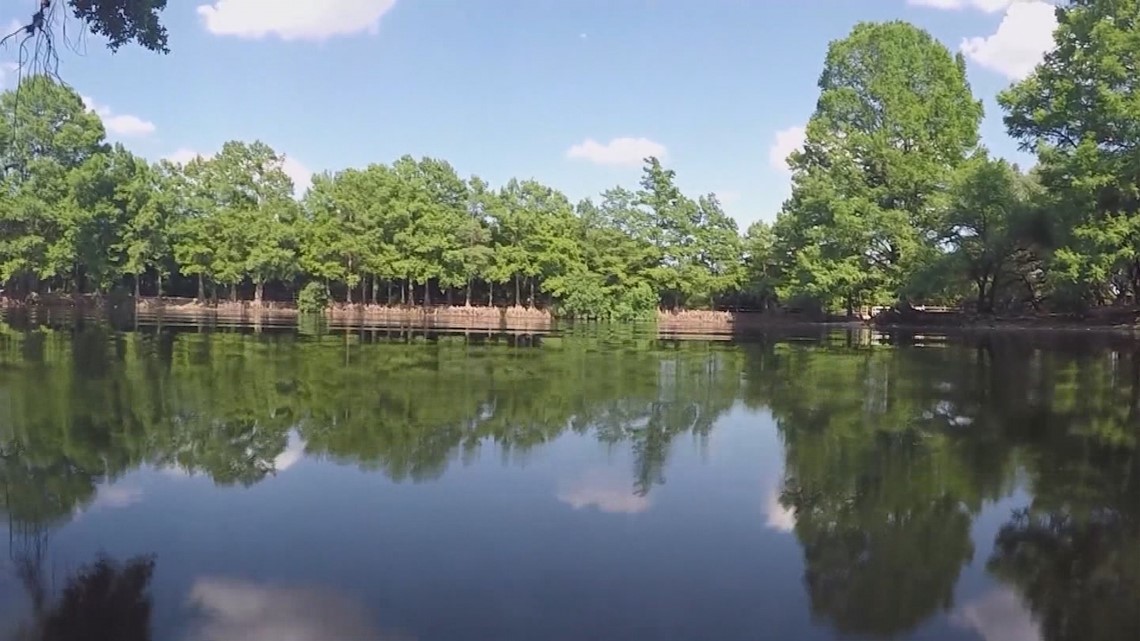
{"x":180,"y":485}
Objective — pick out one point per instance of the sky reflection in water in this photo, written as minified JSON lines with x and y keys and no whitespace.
{"x":356,"y":487}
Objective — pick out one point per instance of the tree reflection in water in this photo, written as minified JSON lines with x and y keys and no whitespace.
{"x":890,"y":450}
{"x":102,"y":601}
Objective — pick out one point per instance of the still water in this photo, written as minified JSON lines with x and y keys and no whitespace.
{"x":195,"y":486}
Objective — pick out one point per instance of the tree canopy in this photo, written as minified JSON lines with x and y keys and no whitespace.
{"x":121,"y":22}
{"x":894,"y":201}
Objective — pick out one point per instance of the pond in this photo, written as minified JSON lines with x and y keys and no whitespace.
{"x":175,"y":484}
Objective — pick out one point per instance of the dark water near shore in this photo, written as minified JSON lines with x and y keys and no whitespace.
{"x":283,"y":486}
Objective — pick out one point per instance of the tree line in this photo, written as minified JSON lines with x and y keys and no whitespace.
{"x":894,"y":200}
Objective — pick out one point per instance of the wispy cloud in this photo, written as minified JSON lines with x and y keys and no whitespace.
{"x":125,"y":125}
{"x":603,"y":489}
{"x":620,"y":152}
{"x":295,"y":19}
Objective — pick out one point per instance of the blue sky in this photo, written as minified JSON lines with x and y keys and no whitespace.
{"x":569,"y":92}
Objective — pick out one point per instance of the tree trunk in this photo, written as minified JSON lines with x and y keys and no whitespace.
{"x":233,"y":292}
{"x":490,"y":294}
{"x":531,"y":304}
{"x":981,"y":305}
{"x":449,"y":298}
{"x":518,"y":291}
{"x":427,"y":294}
{"x":348,"y":292}
{"x":375,"y":289}
{"x":391,"y":292}
{"x":404,"y":292}
{"x":467,"y":302}
{"x":158,"y":290}
{"x":201,"y":287}
{"x":258,"y":292}
{"x":138,"y":277}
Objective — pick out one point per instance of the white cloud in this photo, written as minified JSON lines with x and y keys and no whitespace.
{"x":7,"y":70}
{"x":621,"y":152}
{"x":998,"y":616}
{"x":232,"y":610}
{"x":293,"y":452}
{"x":294,"y":19}
{"x":1020,"y":42}
{"x":115,"y":497}
{"x":302,"y":176}
{"x":604,"y":490}
{"x":728,"y":197}
{"x":12,"y":26}
{"x":184,"y":155}
{"x":776,"y":516}
{"x":785,"y":142}
{"x":988,"y":6}
{"x":121,"y":124}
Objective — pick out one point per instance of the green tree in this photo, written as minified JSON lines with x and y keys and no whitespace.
{"x":46,"y":137}
{"x":1080,"y":110}
{"x":895,"y":114}
{"x":121,"y":22}
{"x":760,"y":267}
{"x":195,"y":230}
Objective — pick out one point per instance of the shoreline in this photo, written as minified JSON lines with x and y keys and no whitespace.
{"x":668,"y":322}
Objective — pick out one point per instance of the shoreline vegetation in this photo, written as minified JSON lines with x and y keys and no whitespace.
{"x":895,"y":205}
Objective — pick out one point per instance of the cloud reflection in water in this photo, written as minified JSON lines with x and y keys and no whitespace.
{"x":604,"y":489}
{"x":233,"y":610}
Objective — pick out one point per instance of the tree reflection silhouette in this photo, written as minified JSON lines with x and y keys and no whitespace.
{"x":103,"y":601}
{"x":890,"y":453}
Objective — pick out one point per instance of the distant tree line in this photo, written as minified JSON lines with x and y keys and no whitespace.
{"x":894,"y":199}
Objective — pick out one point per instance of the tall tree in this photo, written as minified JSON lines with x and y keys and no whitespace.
{"x":988,"y":221}
{"x":1080,"y":110}
{"x":46,"y":134}
{"x":895,"y":114}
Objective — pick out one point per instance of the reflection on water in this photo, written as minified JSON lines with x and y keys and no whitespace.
{"x":222,"y":486}
{"x":243,"y":611}
{"x":998,"y":615}
{"x":604,"y":489}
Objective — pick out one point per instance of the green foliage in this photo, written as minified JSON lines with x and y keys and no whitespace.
{"x":893,"y":201}
{"x":894,"y":116}
{"x":1080,"y":110}
{"x":313,"y":298}
{"x":82,"y":216}
{"x":124,"y":22}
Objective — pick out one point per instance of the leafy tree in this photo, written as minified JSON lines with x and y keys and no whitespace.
{"x":760,"y":268}
{"x":986,"y":225}
{"x":895,"y":114}
{"x":196,"y":231}
{"x":1080,"y":110}
{"x":124,"y":21}
{"x":45,"y":137}
{"x":120,"y":21}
